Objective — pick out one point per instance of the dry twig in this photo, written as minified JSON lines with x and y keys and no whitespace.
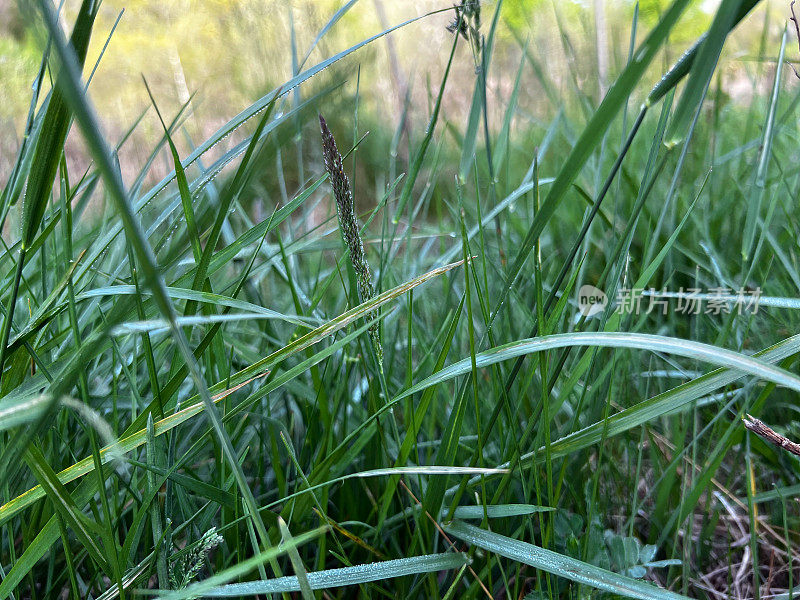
{"x":773,"y":437}
{"x":793,"y":19}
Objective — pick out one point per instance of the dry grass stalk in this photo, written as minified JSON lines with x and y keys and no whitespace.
{"x":773,"y":437}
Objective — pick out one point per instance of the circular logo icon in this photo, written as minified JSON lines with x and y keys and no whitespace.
{"x":591,"y":300}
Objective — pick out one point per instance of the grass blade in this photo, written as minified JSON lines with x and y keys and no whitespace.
{"x":559,"y":564}
{"x":332,"y":578}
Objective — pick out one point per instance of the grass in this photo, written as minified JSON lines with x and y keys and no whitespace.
{"x":203,"y":396}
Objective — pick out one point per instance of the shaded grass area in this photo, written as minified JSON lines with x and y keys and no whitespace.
{"x":192,"y":404}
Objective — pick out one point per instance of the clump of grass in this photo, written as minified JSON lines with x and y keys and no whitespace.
{"x":583,"y":469}
{"x":348,"y":226}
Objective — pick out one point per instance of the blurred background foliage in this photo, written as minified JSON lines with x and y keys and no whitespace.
{"x":224,"y":54}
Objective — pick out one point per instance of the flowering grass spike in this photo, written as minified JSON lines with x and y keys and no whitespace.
{"x":348,"y":225}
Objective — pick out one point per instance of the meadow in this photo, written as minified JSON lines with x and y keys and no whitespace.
{"x":415,"y":343}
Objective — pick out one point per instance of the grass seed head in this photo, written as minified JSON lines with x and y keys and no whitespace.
{"x":348,"y":224}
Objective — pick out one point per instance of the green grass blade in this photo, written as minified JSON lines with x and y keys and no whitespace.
{"x":355,"y":575}
{"x":498,"y":511}
{"x":641,"y":341}
{"x":86,"y":532}
{"x":702,"y":69}
{"x":756,"y":196}
{"x":559,"y":564}
{"x":135,"y":437}
{"x":591,"y":137}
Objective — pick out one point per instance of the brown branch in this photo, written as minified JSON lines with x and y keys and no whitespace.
{"x":773,"y":437}
{"x":793,"y":19}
